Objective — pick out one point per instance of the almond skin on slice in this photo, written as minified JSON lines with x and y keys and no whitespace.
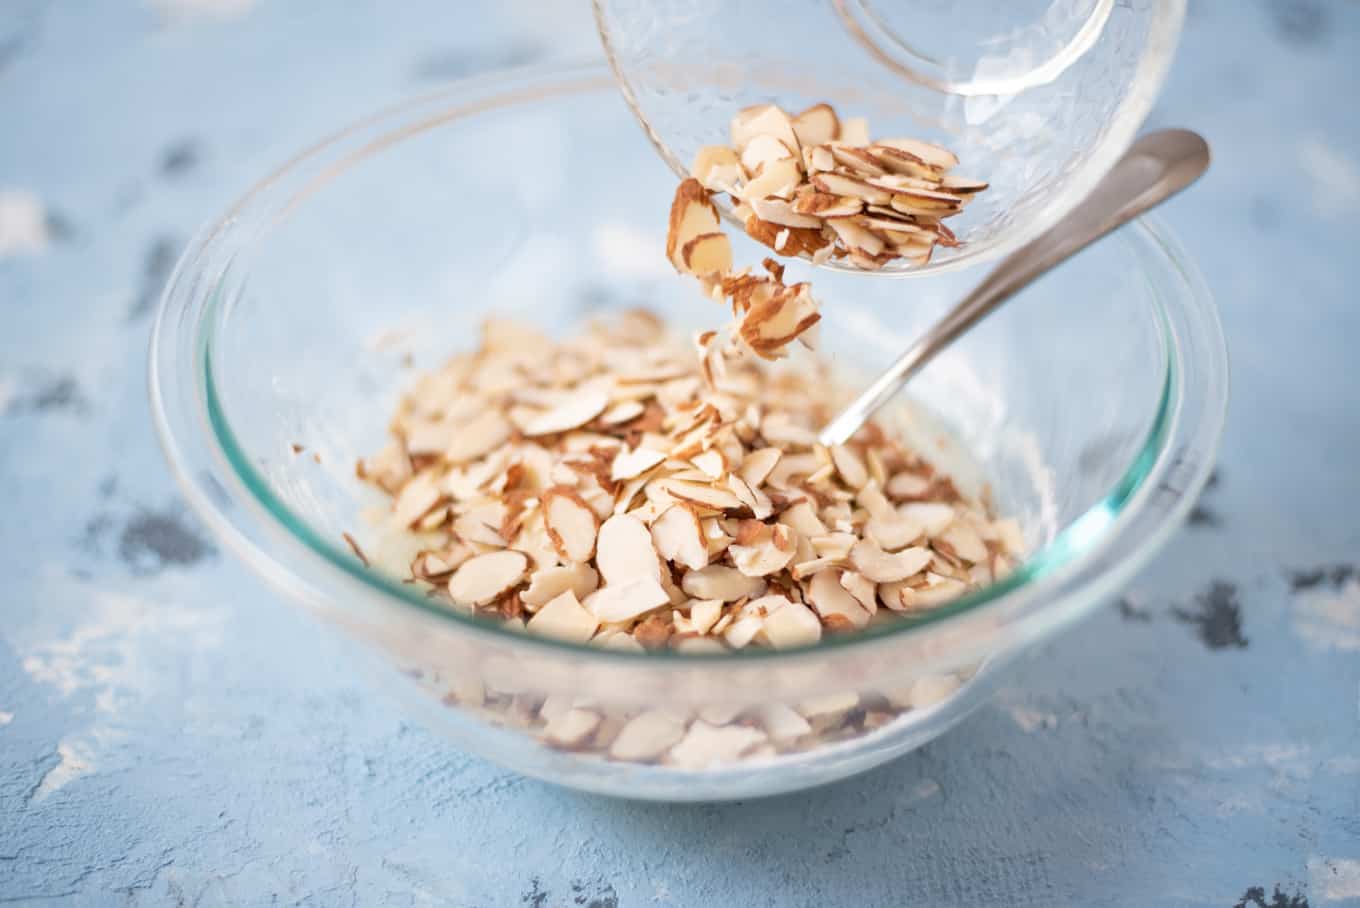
{"x":692,"y":214}
{"x":809,"y":201}
{"x":817,"y":125}
{"x":903,"y":163}
{"x":678,"y":536}
{"x":484,"y":578}
{"x":571,"y":524}
{"x":962,"y":185}
{"x":781,"y":212}
{"x":546,"y":584}
{"x":707,"y":254}
{"x":839,"y":184}
{"x":763,"y":150}
{"x":798,"y":241}
{"x":925,"y":202}
{"x":933,"y":155}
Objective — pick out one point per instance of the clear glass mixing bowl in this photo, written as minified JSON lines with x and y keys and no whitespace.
{"x":1092,"y":404}
{"x":1037,"y":97}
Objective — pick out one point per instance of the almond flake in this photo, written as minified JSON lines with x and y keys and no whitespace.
{"x":679,"y":537}
{"x":483,"y":579}
{"x":782,"y":723}
{"x":817,"y":125}
{"x":883,"y":567}
{"x":776,"y":178}
{"x":791,"y":624}
{"x":692,"y":214}
{"x":810,"y":202}
{"x":704,"y":613}
{"x":717,"y":168}
{"x":830,"y":599}
{"x":742,"y":631}
{"x":624,"y":551}
{"x":626,"y":600}
{"x":854,"y":131}
{"x":781,"y":212}
{"x":762,"y":120}
{"x":838,"y":185}
{"x":482,"y":435}
{"x":762,"y":557}
{"x":707,"y":745}
{"x":762,"y":150}
{"x":623,"y":411}
{"x":756,"y":466}
{"x":933,"y":155}
{"x":572,"y":411}
{"x":546,"y":584}
{"x":966,"y":543}
{"x":630,"y":464}
{"x":571,"y":728}
{"x":856,"y":237}
{"x":564,"y":618}
{"x":647,"y":736}
{"x":933,"y":517}
{"x":571,"y":524}
{"x":849,"y":465}
{"x":720,"y":582}
{"x":863,"y":589}
{"x":707,"y":254}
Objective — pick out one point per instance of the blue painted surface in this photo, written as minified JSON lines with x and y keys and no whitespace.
{"x":173,"y":733}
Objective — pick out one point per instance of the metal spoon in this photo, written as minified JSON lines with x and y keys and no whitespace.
{"x":1155,"y":168}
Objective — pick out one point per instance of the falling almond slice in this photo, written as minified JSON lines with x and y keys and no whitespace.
{"x":484,"y":578}
{"x":707,"y":254}
{"x":762,"y":120}
{"x":933,"y":155}
{"x":816,"y":125}
{"x":717,"y":168}
{"x":692,"y":214}
{"x":571,"y":524}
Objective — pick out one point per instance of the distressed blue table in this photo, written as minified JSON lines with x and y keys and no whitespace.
{"x":172,"y":733}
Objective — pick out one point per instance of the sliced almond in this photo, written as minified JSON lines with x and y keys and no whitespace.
{"x":779,"y":211}
{"x":623,"y":551}
{"x":630,"y":464}
{"x":571,"y":524}
{"x":884,"y":567}
{"x":863,"y":589}
{"x":627,"y":600}
{"x":709,"y":745}
{"x":564,"y":618}
{"x":933,"y":155}
{"x":484,"y":578}
{"x":856,"y":237}
{"x":545,"y":584}
{"x":707,"y":254}
{"x":762,"y":120}
{"x":756,"y":466}
{"x":933,"y":517}
{"x":799,"y":241}
{"x":679,"y":537}
{"x":962,"y":185}
{"x":810,"y":202}
{"x":770,"y":326}
{"x":816,"y":125}
{"x":831,"y":600}
{"x":764,"y":555}
{"x":720,"y":582}
{"x":840,"y":185}
{"x":854,"y":131}
{"x":856,"y":160}
{"x":717,"y":168}
{"x":777,"y":178}
{"x":623,"y":411}
{"x":647,"y":736}
{"x":692,"y":214}
{"x":925,"y":202}
{"x":792,"y":624}
{"x":416,"y":498}
{"x":480,"y":436}
{"x":704,"y":613}
{"x":571,"y":728}
{"x":699,"y":493}
{"x":966,"y":543}
{"x":850,"y":466}
{"x":762,"y":150}
{"x":570,"y":412}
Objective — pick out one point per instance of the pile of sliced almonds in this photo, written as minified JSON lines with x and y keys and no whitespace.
{"x":815,"y":185}
{"x":617,"y":490}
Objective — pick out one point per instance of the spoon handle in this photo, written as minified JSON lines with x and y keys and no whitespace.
{"x":1156,"y":167}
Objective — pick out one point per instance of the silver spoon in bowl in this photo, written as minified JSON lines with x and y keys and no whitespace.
{"x":1155,"y":168}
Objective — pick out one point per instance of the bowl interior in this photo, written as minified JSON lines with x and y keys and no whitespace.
{"x":551,"y":208}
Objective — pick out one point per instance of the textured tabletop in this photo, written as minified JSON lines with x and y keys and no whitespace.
{"x":173,"y":733}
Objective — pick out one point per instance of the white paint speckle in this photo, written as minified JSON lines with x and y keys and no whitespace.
{"x":1333,"y":879}
{"x":1334,"y":177}
{"x":76,"y":761}
{"x":23,"y":224}
{"x":6,"y":717}
{"x":1330,"y":619}
{"x":1031,"y":720}
{"x":1343,"y":766}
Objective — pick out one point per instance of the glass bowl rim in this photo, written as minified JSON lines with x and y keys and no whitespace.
{"x":209,"y":464}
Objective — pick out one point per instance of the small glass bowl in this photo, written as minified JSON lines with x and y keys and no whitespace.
{"x":1092,"y":405}
{"x":1036,"y":97}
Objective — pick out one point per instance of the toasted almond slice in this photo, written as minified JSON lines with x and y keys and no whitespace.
{"x":966,"y":543}
{"x":564,"y":618}
{"x":624,"y":551}
{"x":717,"y":168}
{"x":647,"y":736}
{"x":572,"y":411}
{"x":810,"y":202}
{"x":630,"y":464}
{"x":679,"y":537}
{"x":707,"y":254}
{"x":862,"y":588}
{"x":892,"y":531}
{"x":771,"y":325}
{"x":720,"y":582}
{"x":627,"y":600}
{"x":777,"y":178}
{"x":840,"y":184}
{"x":933,"y":155}
{"x":623,"y":411}
{"x":925,"y":202}
{"x":763,"y":555}
{"x":933,"y":517}
{"x":850,"y":466}
{"x":856,"y":160}
{"x":692,"y":214}
{"x":962,"y":185}
{"x":483,"y":434}
{"x":546,"y":584}
{"x":883,"y":567}
{"x":485,"y":578}
{"x":854,"y":131}
{"x":704,"y":613}
{"x":856,"y":237}
{"x":707,"y":745}
{"x":778,"y":211}
{"x":762,"y":120}
{"x":699,"y":493}
{"x":571,"y":524}
{"x":830,"y":599}
{"x":753,"y":499}
{"x":803,"y":518}
{"x":792,"y":624}
{"x":571,"y":728}
{"x":816,"y":125}
{"x":762,"y":150}
{"x":756,"y":466}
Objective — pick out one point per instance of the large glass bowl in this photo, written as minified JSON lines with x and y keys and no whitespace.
{"x":1091,"y":404}
{"x":1037,"y":97}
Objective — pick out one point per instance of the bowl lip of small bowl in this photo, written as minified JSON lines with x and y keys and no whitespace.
{"x":1124,"y":123}
{"x":188,"y":419}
